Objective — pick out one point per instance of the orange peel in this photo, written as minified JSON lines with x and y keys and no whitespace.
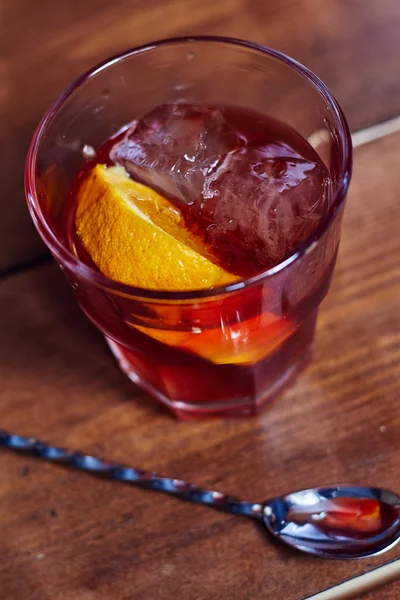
{"x":137,"y":237}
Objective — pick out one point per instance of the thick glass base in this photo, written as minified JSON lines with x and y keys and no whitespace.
{"x":205,"y":390}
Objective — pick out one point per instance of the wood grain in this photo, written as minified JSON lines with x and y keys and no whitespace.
{"x":351,"y":44}
{"x":390,"y":592}
{"x":64,"y":535}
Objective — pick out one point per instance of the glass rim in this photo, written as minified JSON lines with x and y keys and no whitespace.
{"x":70,"y":260}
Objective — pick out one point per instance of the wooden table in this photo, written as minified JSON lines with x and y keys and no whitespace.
{"x":66,"y":536}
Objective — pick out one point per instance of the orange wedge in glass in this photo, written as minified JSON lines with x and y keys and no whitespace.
{"x":138,"y":237}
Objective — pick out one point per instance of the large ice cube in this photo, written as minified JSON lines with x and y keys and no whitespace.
{"x":253,"y":204}
{"x":268,"y":198}
{"x":174,"y":146}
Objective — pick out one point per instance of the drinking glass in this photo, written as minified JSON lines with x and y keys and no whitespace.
{"x":217,"y":352}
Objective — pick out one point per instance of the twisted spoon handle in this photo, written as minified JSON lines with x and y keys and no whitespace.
{"x":83,"y":462}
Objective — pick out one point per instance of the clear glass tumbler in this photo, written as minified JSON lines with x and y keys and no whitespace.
{"x":218,"y":352}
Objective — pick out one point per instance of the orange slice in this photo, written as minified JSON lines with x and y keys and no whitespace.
{"x":136,"y":236}
{"x":245,"y":342}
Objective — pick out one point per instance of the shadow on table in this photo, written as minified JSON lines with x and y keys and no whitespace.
{"x":49,"y":351}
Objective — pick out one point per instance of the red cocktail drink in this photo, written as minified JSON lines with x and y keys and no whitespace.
{"x":259,"y":183}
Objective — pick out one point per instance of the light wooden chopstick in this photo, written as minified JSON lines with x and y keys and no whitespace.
{"x":362,"y":583}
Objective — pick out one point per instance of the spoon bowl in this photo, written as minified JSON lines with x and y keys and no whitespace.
{"x":342,"y":521}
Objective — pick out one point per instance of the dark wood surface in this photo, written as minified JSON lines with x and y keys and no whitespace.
{"x":67,"y":536}
{"x":352,"y":44}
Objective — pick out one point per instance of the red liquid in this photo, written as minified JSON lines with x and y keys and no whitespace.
{"x":333,"y":522}
{"x":224,"y":356}
{"x":350,"y":517}
{"x":240,"y":210}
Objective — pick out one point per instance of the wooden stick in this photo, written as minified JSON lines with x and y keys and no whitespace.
{"x":362,"y":583}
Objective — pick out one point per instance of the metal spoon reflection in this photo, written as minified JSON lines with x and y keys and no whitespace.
{"x":341,"y":521}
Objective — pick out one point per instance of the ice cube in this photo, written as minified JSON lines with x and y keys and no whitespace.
{"x":261,"y":203}
{"x":253,"y":204}
{"x":173,"y":148}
